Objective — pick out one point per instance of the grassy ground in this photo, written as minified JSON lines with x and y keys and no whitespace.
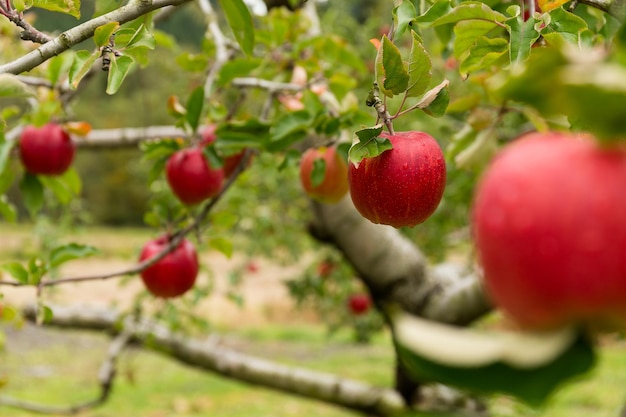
{"x":59,"y":367}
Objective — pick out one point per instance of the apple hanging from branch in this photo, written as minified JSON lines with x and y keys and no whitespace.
{"x":46,"y":150}
{"x":324,"y":174}
{"x":401,"y":185}
{"x":175,"y":273}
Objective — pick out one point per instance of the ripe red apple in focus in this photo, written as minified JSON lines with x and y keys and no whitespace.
{"x":549,"y":223}
{"x":231,"y":161}
{"x":402,"y":186}
{"x":359,"y":304}
{"x":174,"y":274}
{"x":335,"y":183}
{"x":47,"y":150}
{"x":191,"y":178}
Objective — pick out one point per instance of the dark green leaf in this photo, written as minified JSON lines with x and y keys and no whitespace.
{"x":368,"y":145}
{"x":403,"y":16}
{"x":391,"y":74}
{"x":71,"y":251}
{"x":17,"y":271}
{"x":32,"y":193}
{"x":212,"y":157}
{"x":529,"y":366}
{"x":319,"y":172}
{"x":420,"y":68}
{"x":103,"y":33}
{"x":120,"y":67}
{"x":240,"y":22}
{"x":195,"y":104}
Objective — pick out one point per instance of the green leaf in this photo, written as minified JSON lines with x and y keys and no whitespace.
{"x":7,"y":210}
{"x":65,"y":187}
{"x":71,"y":251}
{"x":319,"y":172}
{"x":5,"y":153}
{"x":470,"y":10}
{"x":564,"y":26}
{"x":71,"y":7}
{"x":288,"y":129}
{"x":437,"y":10}
{"x":403,"y":16}
{"x":529,"y":366}
{"x":17,"y":271}
{"x":522,"y":37}
{"x":483,"y":54}
{"x":241,"y":134}
{"x":222,"y":245}
{"x":32,"y":193}
{"x":368,"y":144}
{"x":120,"y":67}
{"x":212,"y":157}
{"x":195,"y":104}
{"x":439,"y":105}
{"x":142,"y":38}
{"x":420,"y":68}
{"x":467,"y":34}
{"x":83,"y":61}
{"x":391,"y":74}
{"x":11,"y":86}
{"x":240,"y":22}
{"x":103,"y":33}
{"x":105,"y":6}
{"x":59,"y":66}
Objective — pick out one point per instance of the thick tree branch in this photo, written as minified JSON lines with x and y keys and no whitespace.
{"x":396,"y":271}
{"x":82,"y":32}
{"x":209,"y":355}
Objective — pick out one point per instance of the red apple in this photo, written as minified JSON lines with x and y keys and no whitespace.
{"x":47,"y":150}
{"x":231,"y":161}
{"x":549,"y":222}
{"x":174,"y":274}
{"x":359,"y":304}
{"x":402,"y":186}
{"x":191,"y":178}
{"x":334,"y":185}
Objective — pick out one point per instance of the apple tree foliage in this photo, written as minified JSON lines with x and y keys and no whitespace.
{"x":473,"y":74}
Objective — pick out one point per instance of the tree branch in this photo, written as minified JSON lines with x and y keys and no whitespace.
{"x":209,"y":355}
{"x":82,"y":32}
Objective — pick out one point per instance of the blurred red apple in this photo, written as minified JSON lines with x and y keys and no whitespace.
{"x":230,"y":161}
{"x":359,"y":304}
{"x":47,"y":150}
{"x":174,"y":274}
{"x":191,"y":178}
{"x":334,"y":185}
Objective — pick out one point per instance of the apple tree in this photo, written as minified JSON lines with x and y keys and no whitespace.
{"x":495,"y":121}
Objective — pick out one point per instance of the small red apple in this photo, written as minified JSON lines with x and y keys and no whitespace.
{"x":174,"y":274}
{"x":334,"y":185}
{"x":191,"y":178}
{"x":549,"y":222}
{"x":231,"y":161}
{"x":47,"y":150}
{"x":402,"y":186}
{"x":359,"y":304}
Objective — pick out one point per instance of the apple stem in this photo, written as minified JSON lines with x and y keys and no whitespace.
{"x":374,"y":100}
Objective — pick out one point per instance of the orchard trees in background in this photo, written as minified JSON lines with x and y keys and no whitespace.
{"x":282,"y":93}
